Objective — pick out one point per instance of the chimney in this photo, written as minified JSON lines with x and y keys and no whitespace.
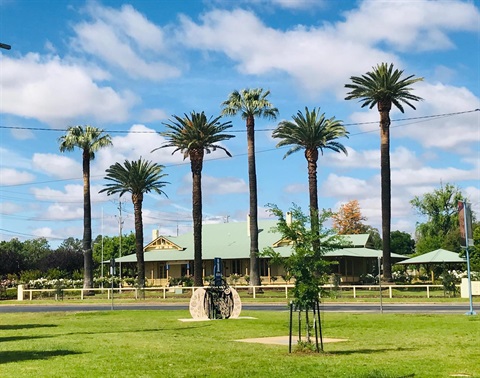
{"x":154,"y":234}
{"x":288,"y":218}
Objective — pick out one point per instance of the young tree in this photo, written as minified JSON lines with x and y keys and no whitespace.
{"x":349,"y":218}
{"x":194,"y":135}
{"x":89,"y":139}
{"x":384,"y":87}
{"x":306,"y":263}
{"x":312,"y":132}
{"x":137,"y":178}
{"x":251,"y":103}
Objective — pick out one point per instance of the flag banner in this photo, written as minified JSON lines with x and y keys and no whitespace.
{"x":465,"y":221}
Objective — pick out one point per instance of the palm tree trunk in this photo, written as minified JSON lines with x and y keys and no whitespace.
{"x":196,"y":160}
{"x":137,"y":200}
{"x":312,"y":157}
{"x":386,"y":185}
{"x":252,"y":181}
{"x":87,"y":224}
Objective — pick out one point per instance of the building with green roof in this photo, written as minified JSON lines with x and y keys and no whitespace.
{"x":172,"y":256}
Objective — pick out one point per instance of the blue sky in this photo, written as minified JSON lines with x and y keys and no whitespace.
{"x":127,"y":68}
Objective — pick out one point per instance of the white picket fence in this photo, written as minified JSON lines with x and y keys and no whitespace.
{"x":264,"y":291}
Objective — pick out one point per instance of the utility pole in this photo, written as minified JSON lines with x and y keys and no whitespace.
{"x":120,"y":228}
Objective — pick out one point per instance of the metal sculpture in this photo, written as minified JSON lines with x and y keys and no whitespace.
{"x":218,"y":301}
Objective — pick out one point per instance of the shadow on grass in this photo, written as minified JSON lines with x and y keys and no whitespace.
{"x":20,"y":338}
{"x":8,"y":327}
{"x":368,"y":351}
{"x":116,"y":331}
{"x":22,"y":355}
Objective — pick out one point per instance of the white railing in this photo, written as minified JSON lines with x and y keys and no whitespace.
{"x":353,"y":291}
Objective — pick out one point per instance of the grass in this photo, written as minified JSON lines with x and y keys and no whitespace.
{"x":156,"y":343}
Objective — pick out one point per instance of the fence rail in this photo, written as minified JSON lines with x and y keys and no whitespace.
{"x":264,"y":291}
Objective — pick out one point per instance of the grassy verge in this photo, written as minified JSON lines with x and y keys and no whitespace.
{"x":156,"y":343}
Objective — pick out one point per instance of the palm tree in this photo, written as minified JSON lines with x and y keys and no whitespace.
{"x":193,"y":135}
{"x":384,"y":86}
{"x":312,"y":132}
{"x":89,"y":139}
{"x":136,"y":177}
{"x":251,"y":103}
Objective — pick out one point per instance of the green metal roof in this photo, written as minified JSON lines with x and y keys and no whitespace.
{"x":232,"y":241}
{"x":435,"y":257}
{"x":363,"y":253}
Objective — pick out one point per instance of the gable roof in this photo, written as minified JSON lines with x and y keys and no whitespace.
{"x":230,"y":241}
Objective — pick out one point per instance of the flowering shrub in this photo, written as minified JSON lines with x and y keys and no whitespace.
{"x":368,"y":279}
{"x":43,"y":283}
{"x":401,"y":277}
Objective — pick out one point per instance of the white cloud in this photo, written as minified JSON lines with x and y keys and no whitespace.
{"x":300,"y":51}
{"x":151,"y":115}
{"x":58,"y":165}
{"x":45,"y":232}
{"x":457,"y":132}
{"x":70,"y":194}
{"x":428,"y":175}
{"x":215,"y":185}
{"x":347,"y":187}
{"x":409,"y":25}
{"x":9,"y":176}
{"x":56,"y":92}
{"x":113,"y":36}
{"x":139,"y":142}
{"x":10,"y":208}
{"x":12,"y":159}
{"x":22,"y":134}
{"x":259,"y":49}
{"x":296,"y":188}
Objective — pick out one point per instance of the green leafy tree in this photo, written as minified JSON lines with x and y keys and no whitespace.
{"x":67,"y":258}
{"x":311,"y":132}
{"x":89,"y":139}
{"x":401,"y":243}
{"x":251,"y":104}
{"x":194,"y":135}
{"x":12,"y":258}
{"x":34,"y":251}
{"x":384,"y":87}
{"x":306,"y":263}
{"x":137,"y":178}
{"x":111,"y":249}
{"x":441,"y":229}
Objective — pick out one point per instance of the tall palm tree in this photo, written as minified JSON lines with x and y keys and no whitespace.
{"x":89,"y":139}
{"x":311,"y":132}
{"x":251,"y":103}
{"x":384,"y":86}
{"x":136,"y":177}
{"x":193,"y":135}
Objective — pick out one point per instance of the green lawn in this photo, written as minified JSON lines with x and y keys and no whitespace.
{"x":156,"y":343}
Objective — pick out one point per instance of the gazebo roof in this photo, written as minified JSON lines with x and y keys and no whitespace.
{"x":435,"y":257}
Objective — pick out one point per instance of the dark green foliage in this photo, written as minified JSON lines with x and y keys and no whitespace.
{"x":401,"y":243}
{"x":441,"y":229}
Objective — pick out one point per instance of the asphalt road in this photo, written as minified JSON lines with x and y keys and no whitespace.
{"x":327,"y":307}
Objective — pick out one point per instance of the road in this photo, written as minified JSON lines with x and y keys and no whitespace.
{"x":327,"y":307}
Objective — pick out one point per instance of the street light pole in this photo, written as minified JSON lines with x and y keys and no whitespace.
{"x":5,"y":46}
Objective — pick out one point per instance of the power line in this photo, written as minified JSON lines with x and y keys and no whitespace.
{"x":422,"y":118}
{"x":243,"y":131}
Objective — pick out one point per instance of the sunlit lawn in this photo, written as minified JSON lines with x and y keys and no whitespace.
{"x":157,"y":344}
